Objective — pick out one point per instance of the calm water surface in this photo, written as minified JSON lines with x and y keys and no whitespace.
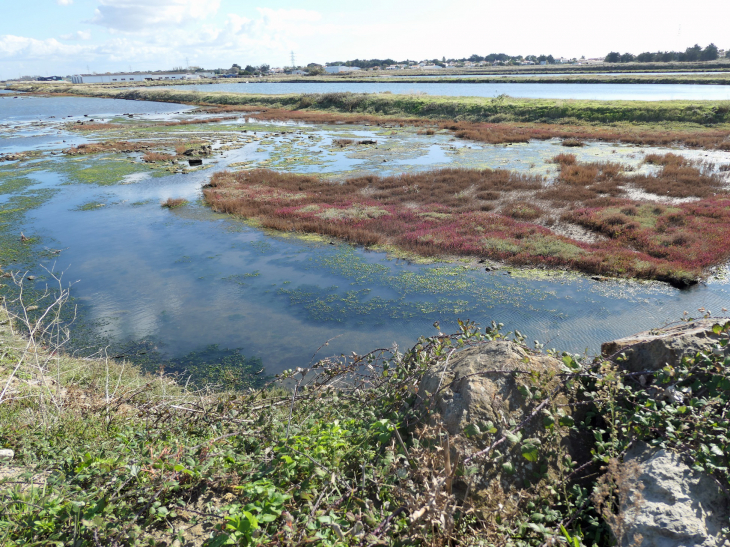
{"x":629,"y":92}
{"x":178,"y":281}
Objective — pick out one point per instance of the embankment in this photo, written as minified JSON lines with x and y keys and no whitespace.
{"x":477,"y":109}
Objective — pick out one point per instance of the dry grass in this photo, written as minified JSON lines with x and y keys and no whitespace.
{"x":125,"y":147}
{"x":152,"y":157}
{"x":506,"y":132}
{"x":172,"y":203}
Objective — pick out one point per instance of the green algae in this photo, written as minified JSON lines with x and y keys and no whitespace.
{"x":13,"y":212}
{"x":106,"y":170}
{"x":90,"y":206}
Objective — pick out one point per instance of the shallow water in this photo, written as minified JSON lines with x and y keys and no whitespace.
{"x":19,"y":107}
{"x":179,"y":281}
{"x":628,"y":92}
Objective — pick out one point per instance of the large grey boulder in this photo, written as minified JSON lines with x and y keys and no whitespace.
{"x":654,"y":349}
{"x":477,"y":399}
{"x":677,"y":507}
{"x":476,"y":385}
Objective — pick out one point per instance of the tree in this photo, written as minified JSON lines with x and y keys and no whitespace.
{"x":692,"y":53}
{"x":627,"y":58}
{"x":710,"y":53}
{"x":646,"y":57}
{"x":613,"y":57}
{"x":550,"y":60}
{"x":314,"y":69}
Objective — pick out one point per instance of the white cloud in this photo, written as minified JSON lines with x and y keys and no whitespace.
{"x":64,"y":2}
{"x":142,"y":15}
{"x":78,"y":35}
{"x":21,"y":47}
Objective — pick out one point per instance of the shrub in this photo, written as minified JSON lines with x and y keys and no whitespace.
{"x":572,"y":143}
{"x":172,"y":203}
{"x":522,"y":211}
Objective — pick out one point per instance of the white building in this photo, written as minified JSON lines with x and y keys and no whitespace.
{"x":339,"y":69}
{"x":110,"y":78}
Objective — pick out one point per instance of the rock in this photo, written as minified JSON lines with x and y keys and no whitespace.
{"x":677,"y":507}
{"x":6,"y":455}
{"x":654,"y":349}
{"x":477,"y":409}
{"x":470,"y":399}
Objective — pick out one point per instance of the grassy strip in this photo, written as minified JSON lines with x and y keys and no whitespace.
{"x":453,"y":108}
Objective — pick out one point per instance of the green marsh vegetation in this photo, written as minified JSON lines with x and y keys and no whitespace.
{"x":452,"y":108}
{"x":340,"y":451}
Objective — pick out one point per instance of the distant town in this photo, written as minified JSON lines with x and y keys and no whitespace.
{"x":692,"y":54}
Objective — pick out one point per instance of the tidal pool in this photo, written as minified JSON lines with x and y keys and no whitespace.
{"x":187,"y":281}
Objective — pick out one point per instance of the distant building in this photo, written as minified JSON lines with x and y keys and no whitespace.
{"x":110,"y":78}
{"x":339,"y":69}
{"x":299,"y":72}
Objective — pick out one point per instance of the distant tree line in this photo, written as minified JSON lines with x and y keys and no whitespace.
{"x":255,"y":70}
{"x":501,"y":58}
{"x":366,"y":63}
{"x":691,"y":54}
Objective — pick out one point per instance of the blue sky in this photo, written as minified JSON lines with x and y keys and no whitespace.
{"x":67,"y":36}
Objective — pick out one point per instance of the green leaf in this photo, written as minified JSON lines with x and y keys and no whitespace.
{"x":472,"y":430}
{"x":513,"y":438}
{"x":717,"y":329}
{"x":508,"y":467}
{"x":567,"y":421}
{"x":529,"y":452}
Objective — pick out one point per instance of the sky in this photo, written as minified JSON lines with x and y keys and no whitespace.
{"x":62,"y":37}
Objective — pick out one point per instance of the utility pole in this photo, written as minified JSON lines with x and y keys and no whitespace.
{"x":293,"y":60}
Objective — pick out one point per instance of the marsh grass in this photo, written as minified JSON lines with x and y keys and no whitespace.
{"x":505,"y":215}
{"x":153,"y":157}
{"x":174,"y":203}
{"x":497,"y":121}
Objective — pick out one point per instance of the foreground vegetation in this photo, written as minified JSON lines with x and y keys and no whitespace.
{"x":349,"y":454}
